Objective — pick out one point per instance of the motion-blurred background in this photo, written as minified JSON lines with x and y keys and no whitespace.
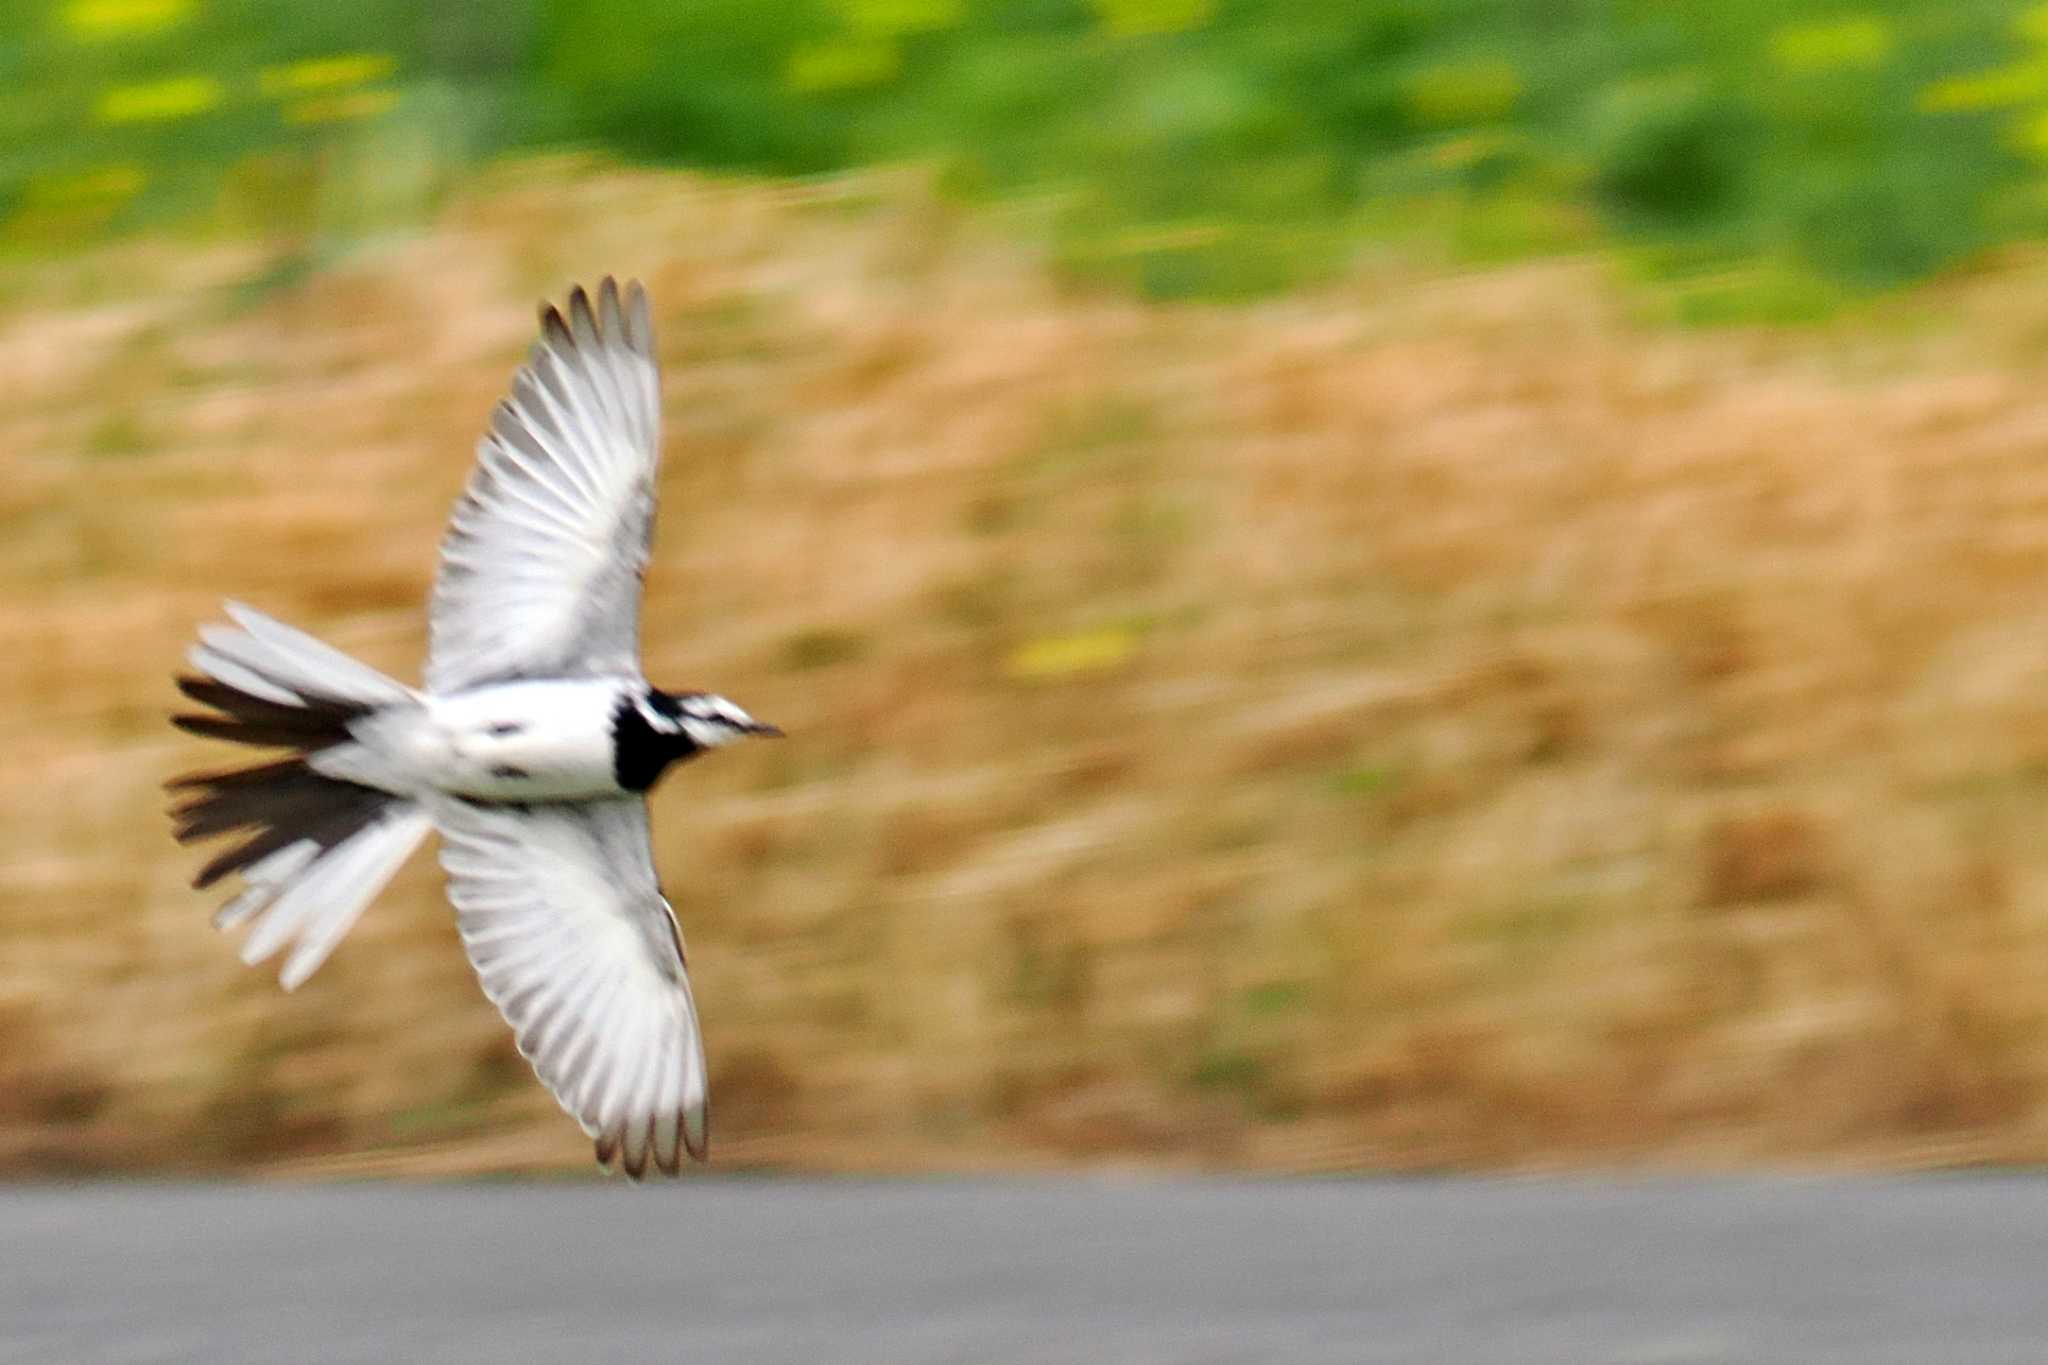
{"x":1355,"y":585}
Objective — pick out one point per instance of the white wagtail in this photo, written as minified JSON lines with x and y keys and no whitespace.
{"x":530,"y":749}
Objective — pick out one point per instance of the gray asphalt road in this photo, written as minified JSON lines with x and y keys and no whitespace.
{"x":1933,"y":1269}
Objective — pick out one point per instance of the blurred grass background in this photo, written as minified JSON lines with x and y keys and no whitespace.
{"x":1770,"y":159}
{"x":1302,"y":653}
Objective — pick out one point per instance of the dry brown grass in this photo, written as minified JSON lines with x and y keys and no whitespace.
{"x":1433,"y":723}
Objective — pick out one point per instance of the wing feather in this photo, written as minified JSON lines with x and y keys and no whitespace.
{"x":564,"y":921}
{"x":541,"y":565}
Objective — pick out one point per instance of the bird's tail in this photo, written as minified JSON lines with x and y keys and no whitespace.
{"x":318,"y":849}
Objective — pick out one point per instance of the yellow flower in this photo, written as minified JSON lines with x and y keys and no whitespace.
{"x":327,"y":73}
{"x":2002,"y":88}
{"x":1463,"y":93}
{"x":904,"y":16}
{"x":2030,"y":135}
{"x":1060,"y":656}
{"x":850,"y":64}
{"x":1862,"y":41}
{"x":1136,"y":18}
{"x":160,"y":101}
{"x":99,"y":20}
{"x":102,"y":184}
{"x":347,"y":104}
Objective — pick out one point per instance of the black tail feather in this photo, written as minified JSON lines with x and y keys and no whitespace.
{"x":244,"y":719}
{"x":283,"y":801}
{"x":274,"y":793}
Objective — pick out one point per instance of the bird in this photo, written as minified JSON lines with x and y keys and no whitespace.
{"x":529,"y":750}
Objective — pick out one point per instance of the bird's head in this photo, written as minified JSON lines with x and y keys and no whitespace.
{"x":706,"y":719}
{"x":652,"y":729}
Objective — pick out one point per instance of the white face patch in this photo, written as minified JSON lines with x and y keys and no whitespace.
{"x":710,"y":720}
{"x":657,"y":720}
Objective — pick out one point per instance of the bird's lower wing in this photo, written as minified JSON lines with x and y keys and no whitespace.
{"x":565,"y":923}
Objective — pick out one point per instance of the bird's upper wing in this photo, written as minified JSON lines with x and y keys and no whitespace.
{"x":540,"y":568}
{"x":568,"y":930}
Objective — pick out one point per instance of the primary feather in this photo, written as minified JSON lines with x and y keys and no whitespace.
{"x":540,"y":569}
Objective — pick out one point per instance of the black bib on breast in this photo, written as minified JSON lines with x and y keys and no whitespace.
{"x":641,"y":753}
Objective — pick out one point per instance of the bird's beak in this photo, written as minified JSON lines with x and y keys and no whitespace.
{"x":765,"y":730}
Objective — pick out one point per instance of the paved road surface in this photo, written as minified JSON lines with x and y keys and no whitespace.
{"x":1123,"y":1273}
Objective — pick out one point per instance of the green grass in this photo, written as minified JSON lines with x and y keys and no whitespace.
{"x":1792,"y":155}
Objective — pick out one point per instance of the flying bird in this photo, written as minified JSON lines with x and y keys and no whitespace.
{"x":530,"y":750}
